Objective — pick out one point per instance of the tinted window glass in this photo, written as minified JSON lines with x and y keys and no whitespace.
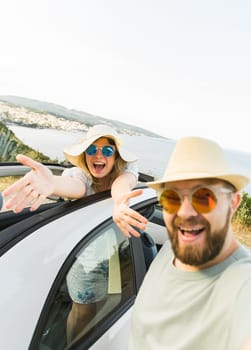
{"x":97,"y":283}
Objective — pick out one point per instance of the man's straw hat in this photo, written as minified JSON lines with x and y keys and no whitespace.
{"x":198,"y":158}
{"x":74,"y":153}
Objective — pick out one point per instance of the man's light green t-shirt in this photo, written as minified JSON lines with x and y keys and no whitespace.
{"x":208,"y":309}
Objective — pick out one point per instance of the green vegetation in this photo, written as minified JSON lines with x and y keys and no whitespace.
{"x":6,"y":181}
{"x":243,"y":214}
{"x":10,"y":146}
{"x":241,"y":222}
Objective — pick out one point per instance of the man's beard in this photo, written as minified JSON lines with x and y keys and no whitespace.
{"x":196,"y":255}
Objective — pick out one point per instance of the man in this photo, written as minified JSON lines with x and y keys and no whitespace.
{"x":196,"y":295}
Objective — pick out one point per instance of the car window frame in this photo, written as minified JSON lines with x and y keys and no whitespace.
{"x":139,"y":270}
{"x":106,"y":323}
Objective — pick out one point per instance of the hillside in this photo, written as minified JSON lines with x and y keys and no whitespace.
{"x":10,"y":146}
{"x":45,"y":108}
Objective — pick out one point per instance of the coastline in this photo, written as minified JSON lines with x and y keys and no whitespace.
{"x":153,"y":153}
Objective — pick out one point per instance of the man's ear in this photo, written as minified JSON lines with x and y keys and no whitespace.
{"x":236,"y":200}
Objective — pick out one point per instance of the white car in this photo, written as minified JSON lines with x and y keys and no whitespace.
{"x":39,"y":248}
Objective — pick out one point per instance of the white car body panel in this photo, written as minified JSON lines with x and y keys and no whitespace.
{"x":36,"y":270}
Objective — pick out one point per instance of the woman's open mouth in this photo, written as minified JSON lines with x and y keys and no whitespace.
{"x":99,"y":165}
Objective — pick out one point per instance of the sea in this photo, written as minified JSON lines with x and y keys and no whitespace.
{"x":153,"y":152}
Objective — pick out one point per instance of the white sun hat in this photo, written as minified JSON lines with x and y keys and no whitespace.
{"x":198,"y":158}
{"x":74,"y":153}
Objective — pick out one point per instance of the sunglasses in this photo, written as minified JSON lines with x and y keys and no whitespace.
{"x":107,"y":151}
{"x":203,"y":199}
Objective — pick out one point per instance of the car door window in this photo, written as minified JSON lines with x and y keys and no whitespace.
{"x":97,"y":283}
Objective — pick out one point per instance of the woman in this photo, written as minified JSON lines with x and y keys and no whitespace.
{"x":101,"y":163}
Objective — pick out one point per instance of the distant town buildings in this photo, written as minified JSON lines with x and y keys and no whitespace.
{"x":27,"y":117}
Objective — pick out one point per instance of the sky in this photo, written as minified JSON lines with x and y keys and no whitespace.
{"x":175,"y":67}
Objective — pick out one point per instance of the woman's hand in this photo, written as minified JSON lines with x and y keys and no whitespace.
{"x":32,"y":189}
{"x":126,"y":218}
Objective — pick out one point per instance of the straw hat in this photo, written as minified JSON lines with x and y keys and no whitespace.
{"x":198,"y":158}
{"x":74,"y":152}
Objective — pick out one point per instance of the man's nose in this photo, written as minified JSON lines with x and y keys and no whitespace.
{"x":186,"y":209}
